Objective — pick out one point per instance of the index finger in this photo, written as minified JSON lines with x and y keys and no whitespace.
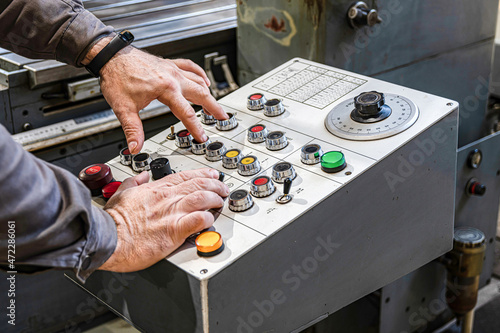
{"x":190,"y":66}
{"x":197,"y":94}
{"x":185,"y":113}
{"x":209,"y":103}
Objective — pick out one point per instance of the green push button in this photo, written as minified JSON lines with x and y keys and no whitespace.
{"x":333,"y":161}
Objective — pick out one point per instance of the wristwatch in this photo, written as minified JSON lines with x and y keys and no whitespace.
{"x":118,"y":42}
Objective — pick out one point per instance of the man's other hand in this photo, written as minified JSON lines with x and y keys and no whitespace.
{"x":154,"y":219}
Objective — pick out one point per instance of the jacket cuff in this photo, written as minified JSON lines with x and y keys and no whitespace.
{"x":100,"y":245}
{"x":82,"y":33}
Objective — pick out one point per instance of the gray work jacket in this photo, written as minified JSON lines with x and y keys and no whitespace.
{"x":53,"y":221}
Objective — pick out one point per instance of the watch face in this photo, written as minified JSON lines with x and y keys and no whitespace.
{"x":127,"y":36}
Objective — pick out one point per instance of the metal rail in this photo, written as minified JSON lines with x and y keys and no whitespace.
{"x":153,"y":22}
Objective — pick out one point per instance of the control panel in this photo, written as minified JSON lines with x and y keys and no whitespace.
{"x":306,"y":152}
{"x":276,"y":132}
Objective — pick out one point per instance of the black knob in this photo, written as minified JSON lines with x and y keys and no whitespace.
{"x":221,"y":176}
{"x":360,"y":15}
{"x":286,"y":197}
{"x":160,"y":168}
{"x":369,"y":103}
{"x":287,"y":186}
{"x":476,"y":188}
{"x":370,"y":107}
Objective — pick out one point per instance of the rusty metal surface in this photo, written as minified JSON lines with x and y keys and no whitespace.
{"x":412,"y":33}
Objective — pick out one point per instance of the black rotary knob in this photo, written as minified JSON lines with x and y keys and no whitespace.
{"x":370,"y":107}
{"x":160,"y":168}
{"x":474,"y":187}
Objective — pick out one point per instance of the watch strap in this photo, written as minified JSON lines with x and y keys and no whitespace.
{"x":116,"y":44}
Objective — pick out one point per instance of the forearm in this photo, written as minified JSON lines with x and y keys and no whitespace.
{"x":56,"y":224}
{"x":50,"y":29}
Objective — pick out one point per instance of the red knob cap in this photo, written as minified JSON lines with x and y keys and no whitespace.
{"x":96,"y":176}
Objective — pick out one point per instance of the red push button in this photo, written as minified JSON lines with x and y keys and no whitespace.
{"x":110,"y":189}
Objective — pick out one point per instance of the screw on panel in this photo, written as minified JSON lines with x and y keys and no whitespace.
{"x":204,"y":271}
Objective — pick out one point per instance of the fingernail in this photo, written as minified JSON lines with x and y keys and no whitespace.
{"x":215,"y":173}
{"x":131,"y":146}
{"x":204,"y":138}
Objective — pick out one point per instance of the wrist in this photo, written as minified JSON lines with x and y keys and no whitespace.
{"x":95,"y":49}
{"x":103,"y":51}
{"x":114,"y":261}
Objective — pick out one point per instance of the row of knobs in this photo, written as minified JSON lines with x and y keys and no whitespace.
{"x":160,"y":167}
{"x":221,"y":125}
{"x":255,"y":102}
{"x":99,"y":178}
{"x":263,"y":186}
{"x":275,"y":140}
{"x":216,"y":151}
{"x":271,"y":107}
{"x":284,"y":172}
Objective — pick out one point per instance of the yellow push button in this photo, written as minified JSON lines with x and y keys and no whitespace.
{"x":247,"y":160}
{"x":232,"y":153}
{"x":209,"y":243}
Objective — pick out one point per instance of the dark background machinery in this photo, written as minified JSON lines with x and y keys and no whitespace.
{"x":442,"y":47}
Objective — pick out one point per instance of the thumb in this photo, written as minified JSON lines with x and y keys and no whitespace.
{"x":132,"y":127}
{"x":140,"y":179}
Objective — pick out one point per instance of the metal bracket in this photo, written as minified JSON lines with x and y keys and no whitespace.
{"x":219,"y":89}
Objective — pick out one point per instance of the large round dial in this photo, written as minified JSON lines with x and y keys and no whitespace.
{"x":353,"y":120}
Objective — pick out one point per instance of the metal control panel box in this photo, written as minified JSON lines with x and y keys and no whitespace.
{"x":374,"y":203}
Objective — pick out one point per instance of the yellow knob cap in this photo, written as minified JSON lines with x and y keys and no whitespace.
{"x":209,"y":243}
{"x":247,"y":160}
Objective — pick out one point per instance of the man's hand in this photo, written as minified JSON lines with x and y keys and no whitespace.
{"x":132,"y":79}
{"x":154,"y":219}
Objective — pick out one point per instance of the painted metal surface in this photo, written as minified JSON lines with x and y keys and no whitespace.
{"x":419,"y":298}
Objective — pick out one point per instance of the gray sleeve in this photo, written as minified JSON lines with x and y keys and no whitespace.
{"x":55,"y":223}
{"x":49,"y":29}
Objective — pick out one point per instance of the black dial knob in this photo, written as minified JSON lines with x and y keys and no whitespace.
{"x":474,"y":187}
{"x":160,"y":168}
{"x":370,"y":107}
